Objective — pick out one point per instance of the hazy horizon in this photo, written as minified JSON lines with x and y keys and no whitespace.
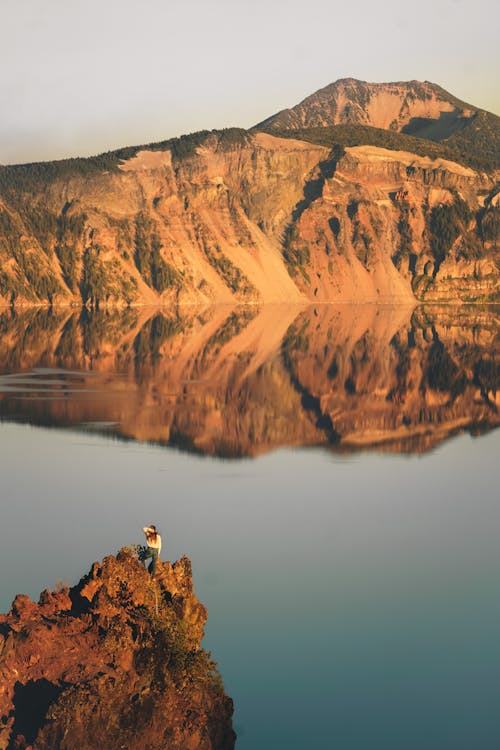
{"x":79,"y":79}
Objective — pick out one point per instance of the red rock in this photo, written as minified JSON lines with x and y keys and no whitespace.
{"x":118,"y":664}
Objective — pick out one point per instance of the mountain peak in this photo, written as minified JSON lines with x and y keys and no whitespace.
{"x":398,"y":106}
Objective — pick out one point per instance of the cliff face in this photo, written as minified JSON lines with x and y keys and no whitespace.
{"x":415,"y":108}
{"x":243,"y":381}
{"x":203,"y":228}
{"x":381,"y":105}
{"x":113,"y":662}
{"x":390,"y":225}
{"x":248,"y":218}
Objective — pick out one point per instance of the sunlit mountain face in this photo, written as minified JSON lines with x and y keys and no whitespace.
{"x":242,"y":381}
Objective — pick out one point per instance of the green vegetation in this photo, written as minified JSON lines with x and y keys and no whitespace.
{"x":35,"y":279}
{"x":340,"y":136}
{"x":155,"y":271}
{"x":446,"y":223}
{"x":10,"y":232}
{"x":167,"y":652}
{"x":489,"y":224}
{"x":101,"y":281}
{"x":163,"y":275}
{"x":95,"y":283}
{"x":231,"y":274}
{"x":31,"y":178}
{"x":362,"y":238}
{"x":11,"y":287}
{"x":470,"y":247}
{"x":69,"y":232}
{"x":142,"y":246}
{"x":296,"y":253}
{"x":405,"y":233}
{"x":480,"y":138}
{"x":42,"y":224}
{"x":185,"y":146}
{"x":32,"y":279}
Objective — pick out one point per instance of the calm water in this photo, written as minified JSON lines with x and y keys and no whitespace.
{"x":332,"y":474}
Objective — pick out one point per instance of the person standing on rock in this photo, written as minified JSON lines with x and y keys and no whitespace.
{"x":153,"y":540}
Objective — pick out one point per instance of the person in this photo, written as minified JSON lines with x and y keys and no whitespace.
{"x":153,"y":540}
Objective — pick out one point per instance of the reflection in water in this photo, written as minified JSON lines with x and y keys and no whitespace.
{"x":239,"y":382}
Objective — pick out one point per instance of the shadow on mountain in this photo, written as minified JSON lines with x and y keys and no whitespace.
{"x":438,"y":128}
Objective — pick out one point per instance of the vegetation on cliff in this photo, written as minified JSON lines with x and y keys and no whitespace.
{"x":482,"y":154}
{"x":352,"y":112}
{"x":113,"y":662}
{"x":29,"y":178}
{"x":244,"y":216}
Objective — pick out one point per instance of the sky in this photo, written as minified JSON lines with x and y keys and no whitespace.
{"x":78,"y":77}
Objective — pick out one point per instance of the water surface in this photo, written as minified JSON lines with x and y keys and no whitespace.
{"x":332,"y":475}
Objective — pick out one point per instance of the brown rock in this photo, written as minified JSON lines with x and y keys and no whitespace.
{"x":112,"y":662}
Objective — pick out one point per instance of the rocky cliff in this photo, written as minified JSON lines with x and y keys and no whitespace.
{"x":416,"y":108}
{"x":385,"y":225}
{"x":113,"y":662}
{"x":236,"y":216}
{"x":159,"y":229}
{"x":382,"y":105}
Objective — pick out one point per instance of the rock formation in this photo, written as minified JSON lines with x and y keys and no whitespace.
{"x":302,"y":212}
{"x":390,"y":106}
{"x":113,"y":662}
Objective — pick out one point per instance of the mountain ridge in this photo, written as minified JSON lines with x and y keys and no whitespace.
{"x":358,"y":92}
{"x":332,"y":213}
{"x":422,"y":109}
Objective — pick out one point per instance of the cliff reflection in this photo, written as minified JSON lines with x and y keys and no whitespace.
{"x":243,"y":381}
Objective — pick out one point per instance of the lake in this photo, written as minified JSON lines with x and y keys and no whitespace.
{"x":331,"y":472}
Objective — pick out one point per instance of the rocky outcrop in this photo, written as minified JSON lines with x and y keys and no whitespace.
{"x":422,"y":111}
{"x":113,"y":662}
{"x":154,"y":229}
{"x":243,"y":381}
{"x":390,"y":106}
{"x":249,"y":217}
{"x":389,"y":226}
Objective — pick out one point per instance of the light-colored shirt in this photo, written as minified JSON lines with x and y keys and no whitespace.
{"x":154,"y":544}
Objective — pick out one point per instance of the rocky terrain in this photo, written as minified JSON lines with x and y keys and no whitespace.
{"x":294,"y":210}
{"x":415,"y":108}
{"x":114,"y":662}
{"x":243,"y":381}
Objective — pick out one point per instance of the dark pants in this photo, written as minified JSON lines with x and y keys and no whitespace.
{"x":153,"y":554}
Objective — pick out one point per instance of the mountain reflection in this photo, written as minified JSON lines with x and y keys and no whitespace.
{"x":243,"y":381}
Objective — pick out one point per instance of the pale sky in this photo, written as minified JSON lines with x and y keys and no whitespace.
{"x":78,"y":77}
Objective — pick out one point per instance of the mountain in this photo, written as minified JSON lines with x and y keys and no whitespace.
{"x":391,"y":106}
{"x":330,"y":212}
{"x":112,"y":662}
{"x":423,"y":110}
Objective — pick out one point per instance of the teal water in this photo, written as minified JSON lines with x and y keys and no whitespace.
{"x":354,"y":601}
{"x":317,"y":466}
